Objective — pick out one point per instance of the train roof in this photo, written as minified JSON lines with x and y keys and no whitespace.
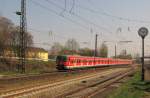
{"x":88,"y":57}
{"x":78,"y":56}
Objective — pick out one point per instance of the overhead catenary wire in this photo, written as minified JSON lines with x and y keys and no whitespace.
{"x":110,"y":15}
{"x":54,"y":12}
{"x":46,"y":43}
{"x":80,"y":17}
{"x":73,"y":5}
{"x":104,"y":13}
{"x":55,"y":34}
{"x":58,"y":35}
{"x":64,"y":17}
{"x":64,"y":8}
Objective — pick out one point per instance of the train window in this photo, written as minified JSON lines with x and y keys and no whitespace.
{"x":74,"y":61}
{"x":61,"y":58}
{"x":107,"y":62}
{"x":71,"y":61}
{"x":104,"y":62}
{"x":99,"y":61}
{"x":90,"y":61}
{"x":95,"y":61}
{"x":84,"y":61}
{"x":79,"y":61}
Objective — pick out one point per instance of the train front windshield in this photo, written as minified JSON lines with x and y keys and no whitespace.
{"x":60,"y":61}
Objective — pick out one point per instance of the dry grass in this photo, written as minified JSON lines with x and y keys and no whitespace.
{"x":9,"y":67}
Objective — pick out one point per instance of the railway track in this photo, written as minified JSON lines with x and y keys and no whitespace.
{"x":36,"y":79}
{"x":20,"y":82}
{"x":63,"y":88}
{"x":15,"y":77}
{"x":98,"y":87}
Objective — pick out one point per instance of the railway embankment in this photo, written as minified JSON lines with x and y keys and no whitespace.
{"x":10,"y":68}
{"x":67,"y":86}
{"x":23,"y":81}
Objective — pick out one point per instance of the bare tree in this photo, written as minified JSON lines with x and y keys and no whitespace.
{"x":72,"y":45}
{"x":56,"y":48}
{"x":86,"y":52}
{"x":9,"y":35}
{"x":15,"y":39}
{"x":123,"y":55}
{"x":5,"y":28}
{"x":103,"y":52}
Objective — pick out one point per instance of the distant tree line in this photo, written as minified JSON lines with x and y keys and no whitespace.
{"x":72,"y":47}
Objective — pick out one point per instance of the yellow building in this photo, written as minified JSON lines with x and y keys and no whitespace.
{"x":32,"y":53}
{"x":37,"y":53}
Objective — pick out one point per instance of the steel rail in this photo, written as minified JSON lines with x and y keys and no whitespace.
{"x":27,"y":91}
{"x":102,"y":83}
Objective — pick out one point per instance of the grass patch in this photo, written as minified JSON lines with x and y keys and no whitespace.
{"x":128,"y":90}
{"x":9,"y":73}
{"x":32,"y":67}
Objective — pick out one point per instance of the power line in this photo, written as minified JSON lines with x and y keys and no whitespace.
{"x":112,"y":16}
{"x":92,"y":11}
{"x":50,"y":10}
{"x":58,"y":35}
{"x":73,"y":5}
{"x":64,"y":8}
{"x":54,"y":12}
{"x":81,"y":18}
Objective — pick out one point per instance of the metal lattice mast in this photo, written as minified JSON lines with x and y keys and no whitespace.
{"x":95,"y":52}
{"x":23,"y":29}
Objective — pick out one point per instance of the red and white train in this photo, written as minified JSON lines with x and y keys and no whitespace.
{"x":71,"y":62}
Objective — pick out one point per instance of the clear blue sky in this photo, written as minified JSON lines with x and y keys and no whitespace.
{"x":84,"y":23}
